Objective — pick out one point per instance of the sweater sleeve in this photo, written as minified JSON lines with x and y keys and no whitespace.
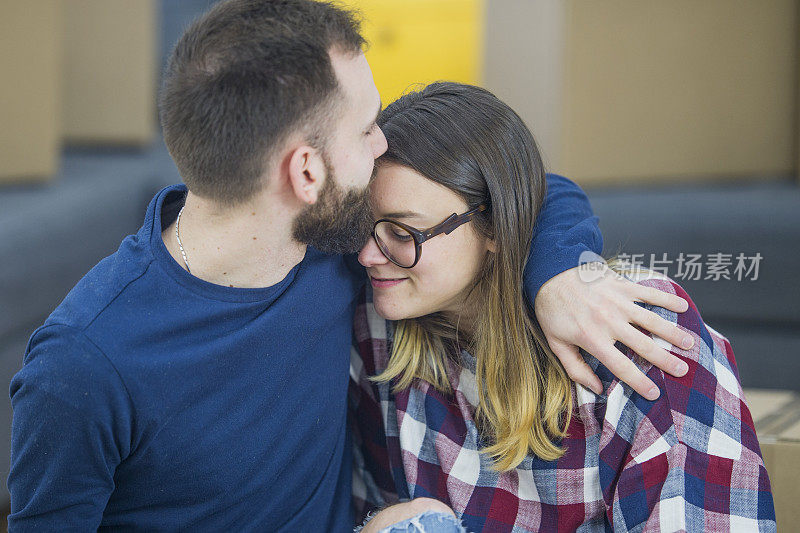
{"x":689,"y":460}
{"x":565,"y":228}
{"x":70,"y":430}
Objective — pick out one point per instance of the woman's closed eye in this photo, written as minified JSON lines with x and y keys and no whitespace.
{"x":400,"y":235}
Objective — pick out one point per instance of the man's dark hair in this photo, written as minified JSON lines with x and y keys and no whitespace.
{"x":241,"y":79}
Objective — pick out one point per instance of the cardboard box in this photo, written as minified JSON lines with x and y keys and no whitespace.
{"x":777,"y":418}
{"x":30,"y":65}
{"x":648,"y":91}
{"x":110,"y":52}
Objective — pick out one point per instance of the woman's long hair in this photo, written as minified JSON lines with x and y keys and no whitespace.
{"x":465,"y":138}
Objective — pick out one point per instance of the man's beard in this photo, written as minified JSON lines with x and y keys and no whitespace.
{"x":340,"y":222}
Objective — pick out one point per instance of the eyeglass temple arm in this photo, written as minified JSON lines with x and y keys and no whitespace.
{"x":452,"y":222}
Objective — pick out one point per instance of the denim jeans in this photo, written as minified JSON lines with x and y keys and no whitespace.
{"x":427,"y":522}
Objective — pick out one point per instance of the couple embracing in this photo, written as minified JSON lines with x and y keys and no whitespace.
{"x":236,"y":366}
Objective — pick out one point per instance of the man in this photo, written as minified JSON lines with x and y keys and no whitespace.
{"x":196,"y":379}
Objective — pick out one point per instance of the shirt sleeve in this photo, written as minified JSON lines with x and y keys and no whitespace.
{"x":70,"y":430}
{"x":690,"y":460}
{"x":373,"y":483}
{"x":565,"y":228}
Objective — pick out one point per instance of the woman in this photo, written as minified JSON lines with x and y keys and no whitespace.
{"x":456,"y":395}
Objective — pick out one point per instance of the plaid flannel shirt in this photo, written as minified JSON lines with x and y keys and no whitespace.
{"x":688,"y":461}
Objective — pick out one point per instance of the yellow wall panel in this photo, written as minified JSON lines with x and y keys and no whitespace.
{"x":420,"y":41}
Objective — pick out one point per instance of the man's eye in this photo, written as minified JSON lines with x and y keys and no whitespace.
{"x":370,"y":130}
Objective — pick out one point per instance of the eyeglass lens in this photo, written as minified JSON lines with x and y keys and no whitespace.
{"x":396,"y":243}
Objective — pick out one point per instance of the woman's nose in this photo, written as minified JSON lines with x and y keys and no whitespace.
{"x":371,"y":255}
{"x":379,"y":146}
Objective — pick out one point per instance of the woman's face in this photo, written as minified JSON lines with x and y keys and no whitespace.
{"x":448,"y":265}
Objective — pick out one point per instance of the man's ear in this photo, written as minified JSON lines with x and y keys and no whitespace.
{"x":491,"y":245}
{"x":307,"y":173}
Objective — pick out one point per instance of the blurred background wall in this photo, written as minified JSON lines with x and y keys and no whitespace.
{"x":680,"y":119}
{"x":652,"y":91}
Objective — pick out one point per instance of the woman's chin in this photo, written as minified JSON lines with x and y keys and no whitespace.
{"x":388,"y":310}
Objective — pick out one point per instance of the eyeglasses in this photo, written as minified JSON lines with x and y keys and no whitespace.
{"x":402,"y":244}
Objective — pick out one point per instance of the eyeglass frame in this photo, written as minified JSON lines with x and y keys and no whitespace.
{"x":447,"y":226}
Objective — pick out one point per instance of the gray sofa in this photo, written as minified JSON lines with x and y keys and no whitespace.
{"x":760,"y":317}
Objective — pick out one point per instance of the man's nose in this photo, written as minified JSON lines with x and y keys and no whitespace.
{"x":371,"y":255}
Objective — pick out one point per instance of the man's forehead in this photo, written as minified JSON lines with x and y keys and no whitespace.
{"x":355,"y":78}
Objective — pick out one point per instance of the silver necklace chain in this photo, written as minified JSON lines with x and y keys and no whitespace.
{"x":178,"y":238}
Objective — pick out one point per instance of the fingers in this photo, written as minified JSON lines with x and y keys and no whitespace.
{"x":665,"y":329}
{"x":603,"y":315}
{"x":626,"y":371}
{"x":576,"y":367}
{"x":656,"y":324}
{"x":647,"y":348}
{"x":659,"y":298}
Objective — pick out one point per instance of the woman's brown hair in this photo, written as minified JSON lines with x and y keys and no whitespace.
{"x":465,"y":138}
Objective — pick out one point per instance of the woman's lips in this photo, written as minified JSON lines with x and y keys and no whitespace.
{"x":382,"y":283}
